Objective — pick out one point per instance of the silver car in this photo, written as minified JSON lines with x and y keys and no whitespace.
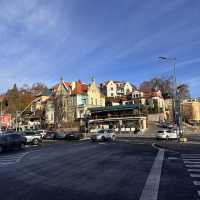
{"x":104,"y":135}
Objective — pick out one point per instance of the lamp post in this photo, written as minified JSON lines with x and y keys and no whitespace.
{"x":175,"y":99}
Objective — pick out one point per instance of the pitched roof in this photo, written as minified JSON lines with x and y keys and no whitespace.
{"x":80,"y":88}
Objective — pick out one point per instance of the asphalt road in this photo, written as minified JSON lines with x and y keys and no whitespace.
{"x":84,"y":170}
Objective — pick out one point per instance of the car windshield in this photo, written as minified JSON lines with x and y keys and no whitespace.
{"x":161,"y":131}
{"x":101,"y":131}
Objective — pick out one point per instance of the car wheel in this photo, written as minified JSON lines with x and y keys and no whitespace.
{"x":35,"y":141}
{"x":103,"y":138}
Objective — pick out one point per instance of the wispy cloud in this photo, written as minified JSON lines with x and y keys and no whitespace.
{"x":41,"y":40}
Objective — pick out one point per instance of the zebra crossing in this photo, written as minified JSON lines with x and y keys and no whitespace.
{"x":11,"y":158}
{"x":192,"y":163}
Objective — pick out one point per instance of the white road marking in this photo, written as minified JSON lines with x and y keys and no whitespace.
{"x":198,"y":192}
{"x":194,"y":170}
{"x":191,"y":162}
{"x":150,"y":190}
{"x":192,"y":159}
{"x":193,"y":166}
{"x":172,"y":158}
{"x":196,"y":182}
{"x":195,"y":175}
{"x":12,"y":158}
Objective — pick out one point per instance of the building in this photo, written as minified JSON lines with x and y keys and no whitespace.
{"x":191,"y":111}
{"x":50,"y":112}
{"x":116,"y":88}
{"x":156,"y":101}
{"x":121,"y":118}
{"x":137,"y":97}
{"x":38,"y":102}
{"x":95,"y":97}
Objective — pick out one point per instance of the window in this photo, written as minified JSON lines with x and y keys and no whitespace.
{"x":91,"y":100}
{"x":96,"y":101}
{"x":112,"y":94}
{"x":84,"y":101}
{"x":111,"y":88}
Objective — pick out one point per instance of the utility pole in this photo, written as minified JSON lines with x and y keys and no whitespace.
{"x":175,"y":97}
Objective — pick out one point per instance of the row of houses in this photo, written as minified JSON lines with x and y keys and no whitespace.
{"x":71,"y":104}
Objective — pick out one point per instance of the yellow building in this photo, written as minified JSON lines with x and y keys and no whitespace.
{"x":191,"y":111}
{"x":95,"y":97}
{"x":38,"y":102}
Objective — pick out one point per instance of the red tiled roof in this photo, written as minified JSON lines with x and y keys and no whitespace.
{"x":80,"y":88}
{"x":67,"y":84}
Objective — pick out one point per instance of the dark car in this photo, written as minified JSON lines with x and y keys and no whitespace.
{"x":74,"y":136}
{"x":11,"y":140}
{"x":61,"y":135}
{"x":50,"y":135}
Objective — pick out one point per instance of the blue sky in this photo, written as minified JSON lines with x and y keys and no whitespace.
{"x":42,"y":40}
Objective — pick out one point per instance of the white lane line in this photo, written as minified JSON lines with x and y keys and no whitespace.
{"x":193,"y":166}
{"x":12,"y":158}
{"x":196,"y":182}
{"x":195,"y":175}
{"x":191,"y":159}
{"x":194,"y":170}
{"x":150,"y":190}
{"x":191,"y":162}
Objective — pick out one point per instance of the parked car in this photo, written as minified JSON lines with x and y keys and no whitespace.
{"x":103,"y":135}
{"x":11,"y":140}
{"x":32,"y":137}
{"x":50,"y":135}
{"x":74,"y":136}
{"x":167,"y":134}
{"x":61,"y":135}
{"x":42,"y":132}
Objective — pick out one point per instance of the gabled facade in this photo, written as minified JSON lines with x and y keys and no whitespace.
{"x":116,"y":88}
{"x":95,"y":97}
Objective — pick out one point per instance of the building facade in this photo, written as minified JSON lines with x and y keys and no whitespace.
{"x":95,"y":97}
{"x":116,"y":88}
{"x":191,"y":111}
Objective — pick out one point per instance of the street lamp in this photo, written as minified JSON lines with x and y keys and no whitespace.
{"x":176,"y":117}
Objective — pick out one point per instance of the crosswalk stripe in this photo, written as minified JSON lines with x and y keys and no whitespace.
{"x":193,"y":166}
{"x":194,"y":170}
{"x":195,"y":175}
{"x":191,"y":159}
{"x":196,"y":182}
{"x":11,"y":158}
{"x":191,"y":162}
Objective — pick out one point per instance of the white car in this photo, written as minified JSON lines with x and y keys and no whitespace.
{"x":103,"y":135}
{"x":167,"y":134}
{"x":42,"y":132}
{"x":32,"y":137}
